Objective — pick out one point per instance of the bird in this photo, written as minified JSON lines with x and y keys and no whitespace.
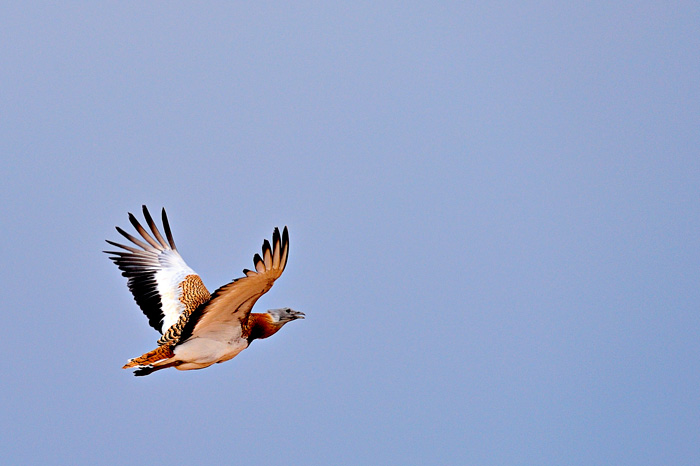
{"x":197,"y":328}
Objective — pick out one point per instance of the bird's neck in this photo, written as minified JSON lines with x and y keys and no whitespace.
{"x":261,"y":326}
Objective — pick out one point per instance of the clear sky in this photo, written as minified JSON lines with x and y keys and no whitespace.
{"x":493,"y":210}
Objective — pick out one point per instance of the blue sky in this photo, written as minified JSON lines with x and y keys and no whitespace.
{"x":493,"y":213}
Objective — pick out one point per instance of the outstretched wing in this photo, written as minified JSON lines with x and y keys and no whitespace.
{"x":222,"y":317}
{"x":163,"y":285}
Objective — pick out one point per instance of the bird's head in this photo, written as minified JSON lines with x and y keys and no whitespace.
{"x":283,"y":315}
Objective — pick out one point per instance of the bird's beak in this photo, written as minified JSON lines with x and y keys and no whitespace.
{"x":298,"y":314}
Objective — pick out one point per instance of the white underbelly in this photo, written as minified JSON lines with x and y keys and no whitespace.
{"x":199,"y":353}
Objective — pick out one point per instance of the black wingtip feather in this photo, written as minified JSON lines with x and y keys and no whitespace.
{"x":133,"y":220}
{"x":154,"y":228}
{"x":147,"y":215}
{"x":168,"y":233}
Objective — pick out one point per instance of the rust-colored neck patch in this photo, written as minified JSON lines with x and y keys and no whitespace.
{"x":261,"y":326}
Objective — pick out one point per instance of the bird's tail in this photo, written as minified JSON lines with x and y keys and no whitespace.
{"x":158,"y":354}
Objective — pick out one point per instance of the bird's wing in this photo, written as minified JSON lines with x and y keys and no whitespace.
{"x":228,"y":310}
{"x":163,"y":285}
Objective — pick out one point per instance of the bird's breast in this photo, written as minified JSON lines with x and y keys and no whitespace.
{"x":202,"y":350}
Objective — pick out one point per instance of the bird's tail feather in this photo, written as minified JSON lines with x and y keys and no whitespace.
{"x":158,"y":354}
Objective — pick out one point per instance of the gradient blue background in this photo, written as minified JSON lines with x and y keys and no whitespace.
{"x":493,"y":208}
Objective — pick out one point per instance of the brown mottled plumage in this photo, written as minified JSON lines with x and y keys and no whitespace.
{"x":198,"y":328}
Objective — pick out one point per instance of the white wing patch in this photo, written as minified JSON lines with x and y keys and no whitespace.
{"x":169,"y":280}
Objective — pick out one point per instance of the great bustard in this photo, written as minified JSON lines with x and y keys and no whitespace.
{"x":198,"y":328}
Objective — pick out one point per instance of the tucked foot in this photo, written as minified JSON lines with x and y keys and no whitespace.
{"x":144,"y":370}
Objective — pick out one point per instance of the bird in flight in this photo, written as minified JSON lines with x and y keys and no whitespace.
{"x":198,"y":328}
